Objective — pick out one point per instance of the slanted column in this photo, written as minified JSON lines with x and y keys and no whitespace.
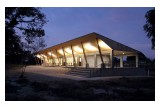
{"x":137,"y":60}
{"x":52,"y":58}
{"x":57,"y":58}
{"x":111,"y":58}
{"x":100,"y":53}
{"x":41,"y":59}
{"x":65,"y":63}
{"x":47,"y":59}
{"x":121,"y":61}
{"x":74,"y":61}
{"x":87,"y":65}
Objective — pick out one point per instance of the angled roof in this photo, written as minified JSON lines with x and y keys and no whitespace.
{"x":115,"y":45}
{"x":91,"y":38}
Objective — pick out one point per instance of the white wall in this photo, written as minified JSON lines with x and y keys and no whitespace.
{"x":56,"y":61}
{"x":90,"y":60}
{"x":70,"y":60}
{"x":105,"y":59}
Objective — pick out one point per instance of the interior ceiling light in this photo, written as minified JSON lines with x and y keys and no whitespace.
{"x":60,"y":51}
{"x":88,"y":46}
{"x":38,"y":56}
{"x":51,"y":54}
{"x":103,"y":45}
{"x":77,"y":49}
{"x":43,"y":55}
{"x":68,"y":50}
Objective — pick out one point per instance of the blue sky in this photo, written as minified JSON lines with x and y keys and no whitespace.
{"x":124,"y":25}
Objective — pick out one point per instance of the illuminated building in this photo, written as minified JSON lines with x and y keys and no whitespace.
{"x":92,"y":51}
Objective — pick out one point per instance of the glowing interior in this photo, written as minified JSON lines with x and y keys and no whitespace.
{"x":68,"y":50}
{"x":38,"y":56}
{"x":103,"y":45}
{"x":43,"y":55}
{"x":89,"y":46}
{"x":78,"y":49}
{"x":60,"y":51}
{"x":51,"y":54}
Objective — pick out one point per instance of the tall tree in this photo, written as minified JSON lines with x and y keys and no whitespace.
{"x":38,"y":44}
{"x":149,"y":27}
{"x":22,"y":24}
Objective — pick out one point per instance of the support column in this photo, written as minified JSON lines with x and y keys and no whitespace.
{"x":137,"y":60}
{"x":74,"y":61}
{"x":65,"y":63}
{"x":47,"y":59}
{"x":57,"y":57}
{"x":100,"y":53}
{"x":43,"y":61}
{"x":111,"y":59}
{"x":87,"y":65}
{"x":121,"y":61}
{"x":52,"y":58}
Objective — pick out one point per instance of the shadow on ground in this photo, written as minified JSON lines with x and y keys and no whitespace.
{"x":116,"y":89}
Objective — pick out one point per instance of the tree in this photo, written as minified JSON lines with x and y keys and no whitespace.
{"x":38,"y":44}
{"x":149,"y":27}
{"x":22,"y":25}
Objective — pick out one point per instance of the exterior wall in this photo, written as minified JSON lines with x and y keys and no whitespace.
{"x":92,"y":63}
{"x":90,"y":59}
{"x":69,"y":61}
{"x":93,"y":60}
{"x":105,"y":59}
{"x":56,"y":60}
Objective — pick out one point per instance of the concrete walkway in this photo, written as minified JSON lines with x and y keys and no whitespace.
{"x":40,"y":73}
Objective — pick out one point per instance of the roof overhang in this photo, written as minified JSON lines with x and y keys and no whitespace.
{"x":90,"y":45}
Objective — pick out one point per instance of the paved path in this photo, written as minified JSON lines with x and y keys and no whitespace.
{"x":40,"y":73}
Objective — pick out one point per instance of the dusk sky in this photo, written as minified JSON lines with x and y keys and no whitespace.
{"x":124,"y":25}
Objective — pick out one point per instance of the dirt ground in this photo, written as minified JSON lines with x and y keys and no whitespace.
{"x":42,"y":84}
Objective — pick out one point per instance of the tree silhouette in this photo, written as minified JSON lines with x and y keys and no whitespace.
{"x":38,"y":44}
{"x":22,"y":24}
{"x":149,"y":27}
